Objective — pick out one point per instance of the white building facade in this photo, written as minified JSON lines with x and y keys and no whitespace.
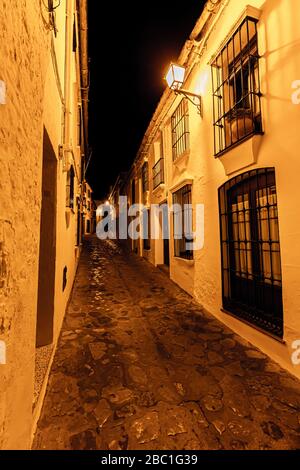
{"x":239,"y":158}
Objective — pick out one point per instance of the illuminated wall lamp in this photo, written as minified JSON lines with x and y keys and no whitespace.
{"x":175,"y":79}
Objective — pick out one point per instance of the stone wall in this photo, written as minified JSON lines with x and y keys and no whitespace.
{"x":24,"y":46}
{"x":41,"y":75}
{"x":23,"y":53}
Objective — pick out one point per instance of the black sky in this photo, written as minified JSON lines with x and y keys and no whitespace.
{"x":130,"y":47}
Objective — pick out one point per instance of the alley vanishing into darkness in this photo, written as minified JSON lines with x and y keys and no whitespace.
{"x":140,"y":365}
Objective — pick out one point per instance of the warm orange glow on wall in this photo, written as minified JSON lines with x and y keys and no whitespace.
{"x":202,"y":82}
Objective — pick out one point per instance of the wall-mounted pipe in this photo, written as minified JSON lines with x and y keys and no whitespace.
{"x":82,"y":8}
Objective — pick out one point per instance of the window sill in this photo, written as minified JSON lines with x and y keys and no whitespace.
{"x":181,"y":160}
{"x":239,"y":142}
{"x":146,"y":197}
{"x":188,"y":262}
{"x":252,"y":325}
{"x":160,"y":187}
{"x":70,"y":210}
{"x":242,"y":154}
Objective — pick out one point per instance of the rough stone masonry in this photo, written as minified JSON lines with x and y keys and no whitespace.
{"x":23,"y":55}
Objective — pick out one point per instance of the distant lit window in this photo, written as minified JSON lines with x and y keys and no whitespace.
{"x":180,"y":129}
{"x":145,"y":177}
{"x":133,"y":191}
{"x":88,"y":226}
{"x":236,"y":88}
{"x":158,"y":173}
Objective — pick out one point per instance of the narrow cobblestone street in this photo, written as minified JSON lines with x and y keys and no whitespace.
{"x":139,"y":365}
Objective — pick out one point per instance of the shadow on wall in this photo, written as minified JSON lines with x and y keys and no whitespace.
{"x":280,"y":19}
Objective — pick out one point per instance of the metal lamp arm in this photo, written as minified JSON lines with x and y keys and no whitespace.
{"x":191,"y":97}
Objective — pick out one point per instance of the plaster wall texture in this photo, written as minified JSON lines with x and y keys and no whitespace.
{"x":278,"y":40}
{"x":24,"y":48}
{"x":32,"y":74}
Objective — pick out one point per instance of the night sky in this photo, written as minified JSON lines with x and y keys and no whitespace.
{"x":130,"y":48}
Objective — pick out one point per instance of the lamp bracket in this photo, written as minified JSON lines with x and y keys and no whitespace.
{"x":192,"y":97}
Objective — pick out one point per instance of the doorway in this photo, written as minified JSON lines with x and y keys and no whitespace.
{"x":165,"y":233}
{"x":47,"y":254}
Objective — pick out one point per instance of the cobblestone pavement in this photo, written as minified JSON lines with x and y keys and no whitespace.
{"x":140,"y":365}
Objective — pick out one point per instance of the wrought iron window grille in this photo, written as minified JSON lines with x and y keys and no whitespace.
{"x":236,"y":89}
{"x":158,"y":173}
{"x":145,"y":177}
{"x":250,"y":250}
{"x":180,"y":129}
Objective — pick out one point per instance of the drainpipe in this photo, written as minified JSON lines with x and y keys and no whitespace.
{"x":68,"y":41}
{"x":82,"y":8}
{"x":82,"y":12}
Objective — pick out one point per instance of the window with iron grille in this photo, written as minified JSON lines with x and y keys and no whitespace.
{"x":183,"y":222}
{"x":70,"y":188}
{"x":146,"y":229}
{"x":145,"y":177}
{"x":236,"y":88}
{"x":79,"y":126}
{"x":250,"y":249}
{"x":180,"y":129}
{"x":133,"y":192}
{"x":158,"y":173}
{"x":74,"y":35}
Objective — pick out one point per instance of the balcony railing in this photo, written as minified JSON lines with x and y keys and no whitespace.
{"x":158,"y":173}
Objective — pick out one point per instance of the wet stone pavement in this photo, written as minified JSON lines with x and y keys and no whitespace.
{"x":140,"y":365}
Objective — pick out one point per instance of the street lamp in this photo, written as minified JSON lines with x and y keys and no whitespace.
{"x":175,"y":79}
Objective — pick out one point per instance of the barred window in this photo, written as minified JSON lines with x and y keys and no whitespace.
{"x":250,"y":248}
{"x":146,"y":229}
{"x":70,"y":188}
{"x":180,"y":129}
{"x":158,"y":173}
{"x":183,"y":222}
{"x":236,"y":88}
{"x":79,"y":126}
{"x":145,"y":177}
{"x":133,"y":192}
